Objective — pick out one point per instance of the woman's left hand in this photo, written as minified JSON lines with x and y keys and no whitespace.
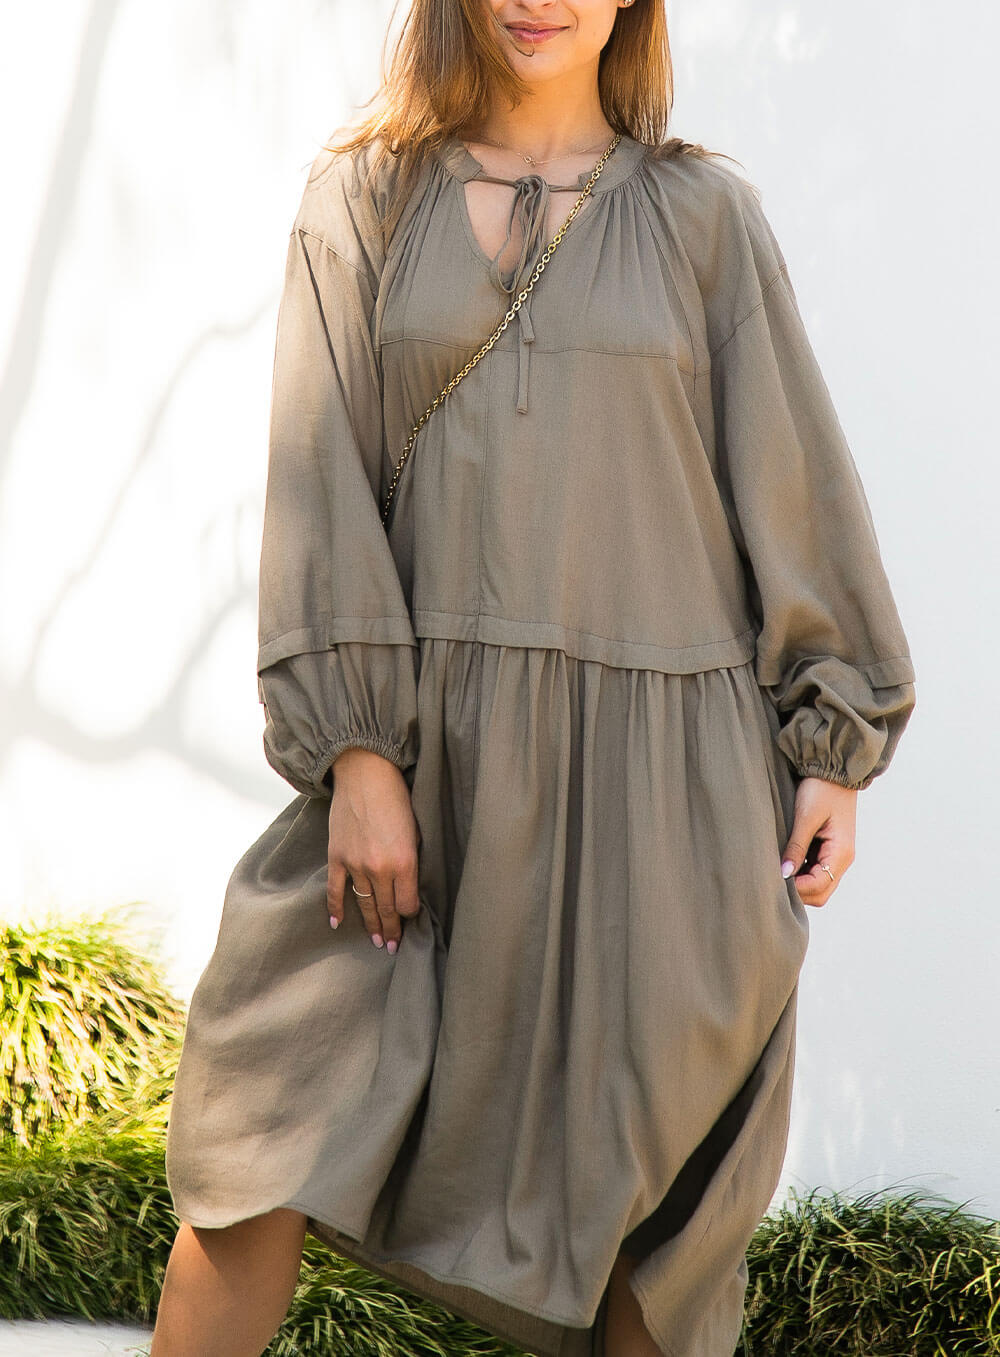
{"x":822,"y":835}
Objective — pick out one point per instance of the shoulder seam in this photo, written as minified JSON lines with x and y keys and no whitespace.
{"x":305,"y":231}
{"x":355,"y":302}
{"x":753,"y":310}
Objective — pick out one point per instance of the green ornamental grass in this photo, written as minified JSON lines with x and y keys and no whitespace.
{"x":886,"y":1274}
{"x":85,"y":1021}
{"x":85,"y":1224}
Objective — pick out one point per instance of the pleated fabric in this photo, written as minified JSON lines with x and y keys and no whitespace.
{"x":585,"y":1037}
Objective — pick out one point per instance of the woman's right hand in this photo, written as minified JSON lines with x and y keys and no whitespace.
{"x":374,"y":839}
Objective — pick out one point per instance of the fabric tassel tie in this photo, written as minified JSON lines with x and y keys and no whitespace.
{"x":530,"y":209}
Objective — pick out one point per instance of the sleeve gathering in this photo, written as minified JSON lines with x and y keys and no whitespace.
{"x":831,"y":651}
{"x":337,"y":656}
{"x":317,"y":704}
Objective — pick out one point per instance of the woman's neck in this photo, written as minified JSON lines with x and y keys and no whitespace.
{"x":549,"y":124}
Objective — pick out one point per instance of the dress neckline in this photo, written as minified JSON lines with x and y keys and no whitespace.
{"x":458,"y":160}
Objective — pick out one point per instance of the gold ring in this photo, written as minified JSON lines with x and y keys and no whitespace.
{"x":827,"y":870}
{"x":362,"y":895}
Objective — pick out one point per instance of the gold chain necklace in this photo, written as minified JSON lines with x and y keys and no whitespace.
{"x":531,"y":159}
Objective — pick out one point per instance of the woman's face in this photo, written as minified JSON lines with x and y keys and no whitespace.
{"x":548,"y":38}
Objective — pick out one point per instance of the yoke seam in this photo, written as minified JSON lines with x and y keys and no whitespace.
{"x":563,"y":348}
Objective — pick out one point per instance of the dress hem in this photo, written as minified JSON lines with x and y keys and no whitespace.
{"x":642,"y":1299}
{"x":446,"y":1278}
{"x":377,"y":1263}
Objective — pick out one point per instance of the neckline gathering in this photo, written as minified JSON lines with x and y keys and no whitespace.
{"x":459,"y":161}
{"x":531,"y":197}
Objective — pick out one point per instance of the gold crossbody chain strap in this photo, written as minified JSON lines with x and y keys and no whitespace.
{"x":518,"y":303}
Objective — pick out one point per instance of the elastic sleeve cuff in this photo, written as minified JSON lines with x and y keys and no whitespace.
{"x":838,"y":775}
{"x":319,"y":703}
{"x":839,"y":726}
{"x":321,"y":773}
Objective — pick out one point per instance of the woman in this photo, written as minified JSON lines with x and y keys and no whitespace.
{"x":577,"y":734}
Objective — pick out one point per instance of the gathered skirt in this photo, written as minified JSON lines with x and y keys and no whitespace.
{"x":585,"y":1041}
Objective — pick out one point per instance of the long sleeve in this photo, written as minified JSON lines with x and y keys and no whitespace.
{"x":831,"y":651}
{"x":337,"y":659}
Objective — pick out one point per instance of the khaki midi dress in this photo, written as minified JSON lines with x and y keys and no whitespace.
{"x":630,"y":593}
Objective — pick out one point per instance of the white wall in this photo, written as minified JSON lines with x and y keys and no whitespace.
{"x":153,"y":159}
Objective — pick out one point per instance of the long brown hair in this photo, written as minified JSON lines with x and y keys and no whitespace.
{"x":449,"y":61}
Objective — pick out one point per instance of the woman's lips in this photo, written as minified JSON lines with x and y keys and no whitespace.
{"x":532,"y":34}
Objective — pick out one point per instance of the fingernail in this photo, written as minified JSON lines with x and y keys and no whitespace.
{"x":391,"y":945}
{"x":787,"y":868}
{"x":334,"y":921}
{"x":377,"y":939}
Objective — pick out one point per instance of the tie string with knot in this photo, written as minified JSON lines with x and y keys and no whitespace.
{"x":530,"y":209}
